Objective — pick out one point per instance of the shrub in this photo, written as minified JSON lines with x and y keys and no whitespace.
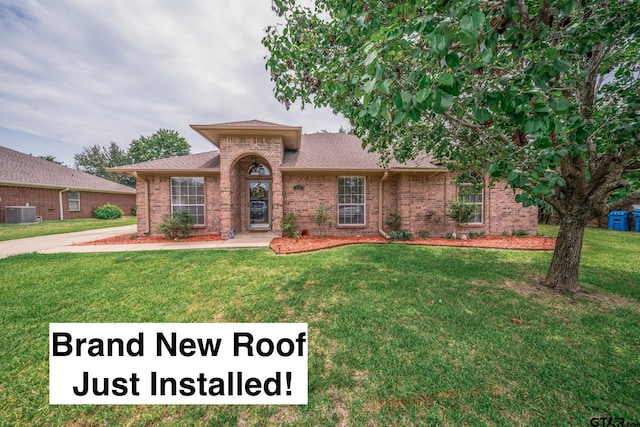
{"x":423,"y":234}
{"x":134,"y":211}
{"x":448,"y":236}
{"x":322,"y":218}
{"x":519,"y":233}
{"x":474,"y":234}
{"x":289,"y":225}
{"x":176,"y":225}
{"x":460,"y":211}
{"x":107,"y":211}
{"x":393,"y":221}
{"x":400,"y":235}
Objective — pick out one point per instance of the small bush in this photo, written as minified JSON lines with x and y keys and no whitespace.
{"x":393,"y":221}
{"x":461,"y":212}
{"x":423,"y":234}
{"x":448,"y":236}
{"x":474,"y":234}
{"x":322,"y":218}
{"x":134,"y":211}
{"x":107,"y":211}
{"x":176,"y":225}
{"x":519,"y":233}
{"x":289,"y":225}
{"x":400,"y":235}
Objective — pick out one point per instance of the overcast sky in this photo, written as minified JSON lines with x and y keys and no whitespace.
{"x":76,"y":73}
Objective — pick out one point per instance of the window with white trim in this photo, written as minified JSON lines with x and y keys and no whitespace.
{"x":471,"y":190}
{"x":73,"y":200}
{"x":351,"y":200}
{"x":187,"y":194}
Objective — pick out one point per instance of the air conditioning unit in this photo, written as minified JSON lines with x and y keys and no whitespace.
{"x":20,"y":214}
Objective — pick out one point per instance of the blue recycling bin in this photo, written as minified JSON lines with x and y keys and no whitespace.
{"x":619,"y":220}
{"x":636,"y":217}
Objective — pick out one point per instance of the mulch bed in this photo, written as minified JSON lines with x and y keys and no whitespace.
{"x":133,"y":239}
{"x":284,"y":245}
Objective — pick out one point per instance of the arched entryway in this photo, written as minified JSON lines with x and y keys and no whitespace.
{"x":252,"y":194}
{"x":259,"y":189}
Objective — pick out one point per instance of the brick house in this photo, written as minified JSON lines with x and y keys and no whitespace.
{"x":262,"y":171}
{"x":56,"y":191}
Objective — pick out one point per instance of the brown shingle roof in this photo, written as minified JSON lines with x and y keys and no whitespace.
{"x":318,"y":152}
{"x":248,"y":124}
{"x":209,"y":160}
{"x":17,"y":168}
{"x":335,"y":151}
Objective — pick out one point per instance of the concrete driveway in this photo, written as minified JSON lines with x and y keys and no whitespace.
{"x":64,"y":243}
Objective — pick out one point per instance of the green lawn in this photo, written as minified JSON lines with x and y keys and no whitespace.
{"x":398,"y":335}
{"x":19,"y":231}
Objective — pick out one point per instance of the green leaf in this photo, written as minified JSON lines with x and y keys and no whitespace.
{"x":385,"y":86}
{"x":532,"y":125}
{"x":467,"y":27}
{"x":559,"y":105}
{"x":452,"y":60}
{"x":422,"y":95}
{"x":561,"y":65}
{"x":399,"y":119}
{"x":442,"y":101}
{"x":445,"y":79}
{"x":369,"y":86}
{"x":407,"y":97}
{"x":374,"y":107}
{"x":439,"y":44}
{"x":385,"y":111}
{"x":482,"y":115}
{"x":370,"y":58}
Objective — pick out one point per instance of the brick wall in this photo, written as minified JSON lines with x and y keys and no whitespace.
{"x":236,"y":156}
{"x":160,"y":203}
{"x":47,"y":202}
{"x":421,"y":200}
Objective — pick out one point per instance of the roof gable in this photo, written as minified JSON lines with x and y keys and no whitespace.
{"x":291,"y":135}
{"x":17,"y":168}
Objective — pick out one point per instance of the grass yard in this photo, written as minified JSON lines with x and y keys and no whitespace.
{"x":398,"y":335}
{"x":19,"y":231}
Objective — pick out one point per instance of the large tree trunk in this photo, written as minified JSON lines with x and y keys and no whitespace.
{"x":565,"y":264}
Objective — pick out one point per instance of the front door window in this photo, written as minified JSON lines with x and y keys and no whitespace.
{"x":259,"y":197}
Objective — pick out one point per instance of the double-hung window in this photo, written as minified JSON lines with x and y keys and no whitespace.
{"x":187,"y":194}
{"x":351,"y":200}
{"x":471,"y":190}
{"x":73,"y":200}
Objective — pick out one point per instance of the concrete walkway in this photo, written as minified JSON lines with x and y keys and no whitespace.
{"x":57,"y":243}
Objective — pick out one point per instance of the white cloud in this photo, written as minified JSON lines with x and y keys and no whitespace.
{"x":90,"y":72}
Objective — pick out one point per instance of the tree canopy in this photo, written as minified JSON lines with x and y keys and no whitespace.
{"x":96,"y":159}
{"x":544,"y":94}
{"x":161,"y":145}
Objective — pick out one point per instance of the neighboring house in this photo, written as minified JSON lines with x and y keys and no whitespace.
{"x":262,"y":171}
{"x":56,"y":191}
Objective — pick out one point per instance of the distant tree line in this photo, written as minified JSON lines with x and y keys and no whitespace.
{"x":96,"y":159}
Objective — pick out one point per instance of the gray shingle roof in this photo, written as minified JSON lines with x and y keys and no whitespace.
{"x":17,"y":168}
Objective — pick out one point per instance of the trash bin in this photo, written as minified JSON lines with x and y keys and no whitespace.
{"x":636,"y":218}
{"x":619,"y":220}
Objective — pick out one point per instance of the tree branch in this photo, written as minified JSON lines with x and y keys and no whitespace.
{"x":625,"y":201}
{"x":524,"y":14}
